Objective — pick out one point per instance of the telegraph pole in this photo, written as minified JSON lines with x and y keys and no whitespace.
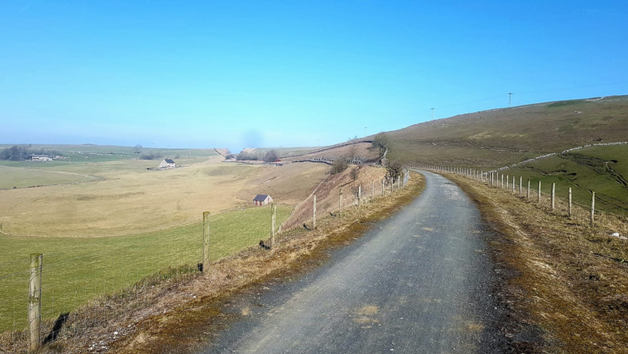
{"x":432,"y":113}
{"x":509,"y":98}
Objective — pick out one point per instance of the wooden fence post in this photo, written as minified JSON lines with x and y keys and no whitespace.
{"x":539,"y":192}
{"x":314,"y":213}
{"x":507,"y":179}
{"x":569,"y":207}
{"x":205,"y":241}
{"x":383,"y":191}
{"x":520,"y":184}
{"x":513,"y":184}
{"x":340,"y":203}
{"x":359,"y":195}
{"x":528,"y":195}
{"x":34,"y":301}
{"x":273,"y":219}
{"x":372,"y":189}
{"x":553,"y":195}
{"x":592,"y":208}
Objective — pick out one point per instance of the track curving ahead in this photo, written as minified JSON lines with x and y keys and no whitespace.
{"x":419,"y":282}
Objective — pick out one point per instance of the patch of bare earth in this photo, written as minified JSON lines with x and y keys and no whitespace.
{"x":178,"y":310}
{"x":563,"y":282}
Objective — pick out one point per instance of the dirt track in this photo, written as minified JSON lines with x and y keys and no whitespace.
{"x":419,"y":282}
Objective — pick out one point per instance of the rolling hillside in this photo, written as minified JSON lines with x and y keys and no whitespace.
{"x":501,"y":137}
{"x":504,"y":137}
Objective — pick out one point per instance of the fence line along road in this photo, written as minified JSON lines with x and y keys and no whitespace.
{"x":47,"y":289}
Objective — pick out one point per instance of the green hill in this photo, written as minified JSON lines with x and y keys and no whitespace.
{"x":505,"y":136}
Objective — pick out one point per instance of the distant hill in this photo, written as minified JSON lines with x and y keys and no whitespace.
{"x":504,"y":136}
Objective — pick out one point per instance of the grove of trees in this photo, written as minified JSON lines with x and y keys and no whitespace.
{"x":18,"y":153}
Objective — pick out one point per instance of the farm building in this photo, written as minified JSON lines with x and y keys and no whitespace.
{"x":262,"y":199}
{"x":166,"y":163}
{"x":41,"y":158}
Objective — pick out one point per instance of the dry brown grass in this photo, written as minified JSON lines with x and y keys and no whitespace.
{"x":134,"y":200}
{"x":358,"y":149}
{"x":327,"y":194}
{"x":178,"y":311}
{"x":562,"y":278}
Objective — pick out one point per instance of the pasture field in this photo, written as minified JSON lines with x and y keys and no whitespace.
{"x":17,"y":177}
{"x":124,"y":221}
{"x":78,"y":269}
{"x":584,"y":171}
{"x":129,"y":199}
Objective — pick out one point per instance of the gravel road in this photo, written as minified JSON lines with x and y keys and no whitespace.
{"x":419,"y":282}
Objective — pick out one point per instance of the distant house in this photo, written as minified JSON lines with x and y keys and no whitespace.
{"x":41,"y":158}
{"x":262,"y":199}
{"x":167,"y":163}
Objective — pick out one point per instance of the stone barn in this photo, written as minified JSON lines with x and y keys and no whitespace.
{"x":262,"y":199}
{"x":167,"y":163}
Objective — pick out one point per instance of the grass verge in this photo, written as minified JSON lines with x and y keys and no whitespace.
{"x":563,"y":281}
{"x":157,"y":314}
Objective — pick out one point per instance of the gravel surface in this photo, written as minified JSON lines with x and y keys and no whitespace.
{"x":419,"y":282}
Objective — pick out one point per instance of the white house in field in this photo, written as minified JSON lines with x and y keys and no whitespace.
{"x":167,"y":163}
{"x":262,"y":199}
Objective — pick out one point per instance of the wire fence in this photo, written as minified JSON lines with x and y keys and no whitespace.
{"x":85,"y":272}
{"x":545,"y":195}
{"x":75,"y":276}
{"x":338,"y":195}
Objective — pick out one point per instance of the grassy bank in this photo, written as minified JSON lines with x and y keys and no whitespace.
{"x":603,"y":169}
{"x":563,"y":281}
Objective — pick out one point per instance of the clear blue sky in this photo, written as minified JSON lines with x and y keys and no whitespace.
{"x":290,"y":73}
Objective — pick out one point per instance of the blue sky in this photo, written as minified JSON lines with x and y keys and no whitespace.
{"x":290,"y":73}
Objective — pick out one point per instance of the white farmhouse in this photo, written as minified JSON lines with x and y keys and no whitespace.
{"x":166,"y":163}
{"x":262,"y":199}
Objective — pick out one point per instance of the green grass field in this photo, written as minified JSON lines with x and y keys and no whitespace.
{"x":11,"y":177}
{"x":78,"y":269}
{"x":584,"y":171}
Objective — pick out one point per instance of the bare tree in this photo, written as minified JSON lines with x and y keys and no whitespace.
{"x":381,"y":142}
{"x":271,"y":156}
{"x":394,"y":169}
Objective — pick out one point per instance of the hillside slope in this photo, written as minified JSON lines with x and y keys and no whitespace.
{"x":503,"y":136}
